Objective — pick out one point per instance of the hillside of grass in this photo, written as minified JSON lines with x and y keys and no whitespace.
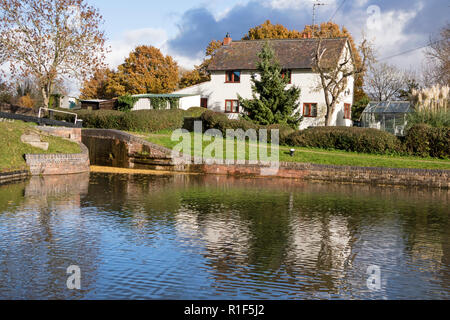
{"x":317,"y":156}
{"x":12,"y":150}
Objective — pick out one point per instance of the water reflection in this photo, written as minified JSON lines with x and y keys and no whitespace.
{"x":207,"y":237}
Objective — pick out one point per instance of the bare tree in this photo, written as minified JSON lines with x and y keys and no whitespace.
{"x":50,"y":40}
{"x":438,"y":54}
{"x":334,"y":78}
{"x":384,"y":82}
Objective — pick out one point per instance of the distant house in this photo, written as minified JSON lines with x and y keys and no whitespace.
{"x":97,"y":104}
{"x":234,"y":63}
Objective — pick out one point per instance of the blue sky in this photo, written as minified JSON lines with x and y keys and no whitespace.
{"x":184,"y":28}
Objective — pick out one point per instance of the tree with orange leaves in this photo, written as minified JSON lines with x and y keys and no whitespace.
{"x":49,"y":40}
{"x":146,"y":70}
{"x":97,"y":86}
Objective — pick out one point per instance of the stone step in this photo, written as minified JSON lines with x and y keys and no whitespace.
{"x":34,"y":140}
{"x":40,"y":145}
{"x":154,"y":161}
{"x":27,"y":138}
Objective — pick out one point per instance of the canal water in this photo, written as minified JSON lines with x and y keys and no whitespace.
{"x":216,"y":237}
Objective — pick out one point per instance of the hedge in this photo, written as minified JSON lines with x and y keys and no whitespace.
{"x":220,"y":121}
{"x":347,"y":138}
{"x":138,"y":121}
{"x":424,"y":140}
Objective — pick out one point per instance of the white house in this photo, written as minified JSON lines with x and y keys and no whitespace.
{"x":234,"y":63}
{"x":184,"y":101}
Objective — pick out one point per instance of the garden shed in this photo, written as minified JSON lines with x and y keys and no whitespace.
{"x":390,"y":116}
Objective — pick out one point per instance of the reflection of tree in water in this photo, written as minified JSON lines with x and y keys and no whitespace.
{"x":51,"y":237}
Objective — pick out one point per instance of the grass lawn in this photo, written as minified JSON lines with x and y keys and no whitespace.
{"x":12,"y":150}
{"x":318,"y":156}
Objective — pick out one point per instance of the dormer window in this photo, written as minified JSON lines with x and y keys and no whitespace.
{"x":233,"y":76}
{"x":287,"y":73}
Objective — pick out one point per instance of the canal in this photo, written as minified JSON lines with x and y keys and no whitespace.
{"x":218,"y":237}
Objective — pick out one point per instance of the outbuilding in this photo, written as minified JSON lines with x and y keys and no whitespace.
{"x":390,"y":116}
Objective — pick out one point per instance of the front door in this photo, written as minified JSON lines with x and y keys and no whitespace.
{"x":204,"y":103}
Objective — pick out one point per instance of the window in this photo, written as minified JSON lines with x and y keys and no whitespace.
{"x":233,"y":76}
{"x":347,"y":111}
{"x":204,"y":103}
{"x":287,"y":73}
{"x":310,"y":110}
{"x":231,"y":106}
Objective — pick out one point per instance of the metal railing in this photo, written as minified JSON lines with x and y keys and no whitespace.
{"x":71,"y":113}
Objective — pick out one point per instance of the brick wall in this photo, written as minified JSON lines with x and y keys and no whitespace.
{"x":59,"y":164}
{"x":73,"y":134}
{"x":341,"y":174}
{"x":115,"y":148}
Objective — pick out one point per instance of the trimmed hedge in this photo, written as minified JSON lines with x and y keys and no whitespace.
{"x":220,"y":121}
{"x":347,"y":138}
{"x":424,"y":140}
{"x":138,"y":121}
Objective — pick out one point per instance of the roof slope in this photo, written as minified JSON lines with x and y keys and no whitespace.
{"x":291,"y":53}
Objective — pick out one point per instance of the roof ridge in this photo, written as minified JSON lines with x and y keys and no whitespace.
{"x":290,"y":39}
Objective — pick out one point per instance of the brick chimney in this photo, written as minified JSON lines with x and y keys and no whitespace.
{"x":227,"y":40}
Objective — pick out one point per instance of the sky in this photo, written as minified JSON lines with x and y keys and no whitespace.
{"x":183,"y":29}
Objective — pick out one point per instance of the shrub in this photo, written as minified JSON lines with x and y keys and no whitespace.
{"x":140,"y":121}
{"x":424,"y":140}
{"x":346,"y":138}
{"x":126,"y":103}
{"x":438,"y":119}
{"x":220,"y":121}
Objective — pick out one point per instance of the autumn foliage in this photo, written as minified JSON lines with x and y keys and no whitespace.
{"x":49,"y":40}
{"x":146,"y":70}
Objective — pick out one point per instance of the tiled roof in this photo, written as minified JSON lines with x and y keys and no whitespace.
{"x":291,"y":53}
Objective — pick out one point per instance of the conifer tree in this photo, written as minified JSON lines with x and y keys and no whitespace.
{"x":272,"y":103}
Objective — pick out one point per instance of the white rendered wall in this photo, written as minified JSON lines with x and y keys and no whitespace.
{"x":217,"y":91}
{"x":189,"y":102}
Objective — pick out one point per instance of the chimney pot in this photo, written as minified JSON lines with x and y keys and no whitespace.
{"x":227,"y":40}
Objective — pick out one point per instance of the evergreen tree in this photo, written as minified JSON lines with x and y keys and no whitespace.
{"x":272,"y":103}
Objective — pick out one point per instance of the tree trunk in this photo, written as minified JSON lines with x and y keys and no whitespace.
{"x":45,"y":97}
{"x":329,"y":115}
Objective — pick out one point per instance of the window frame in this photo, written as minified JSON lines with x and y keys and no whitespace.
{"x":347,"y":111}
{"x":233,"y":101}
{"x":309,"y":104}
{"x":232,"y":76}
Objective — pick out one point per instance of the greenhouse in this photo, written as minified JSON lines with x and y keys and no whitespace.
{"x":390,"y":116}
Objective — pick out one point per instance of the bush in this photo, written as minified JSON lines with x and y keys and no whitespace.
{"x":424,"y":140}
{"x":139,"y":121}
{"x":126,"y":103}
{"x":220,"y":121}
{"x":347,"y":138}
{"x":438,"y":119}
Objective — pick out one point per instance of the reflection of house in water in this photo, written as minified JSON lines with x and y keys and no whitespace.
{"x":326,"y":243}
{"x":223,"y":235}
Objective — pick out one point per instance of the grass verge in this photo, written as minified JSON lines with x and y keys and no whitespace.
{"x":12,"y":150}
{"x":312,"y":155}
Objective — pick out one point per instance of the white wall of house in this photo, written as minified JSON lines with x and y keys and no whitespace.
{"x":189,"y":102}
{"x":142,"y":104}
{"x":217,"y":91}
{"x":184,"y":104}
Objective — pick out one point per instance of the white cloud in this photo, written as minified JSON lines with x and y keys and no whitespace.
{"x":299,"y":4}
{"x":121,"y":48}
